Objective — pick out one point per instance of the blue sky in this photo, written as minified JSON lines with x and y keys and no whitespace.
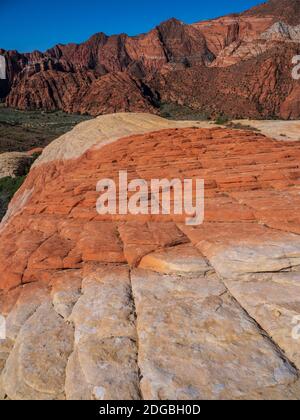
{"x":32,"y":24}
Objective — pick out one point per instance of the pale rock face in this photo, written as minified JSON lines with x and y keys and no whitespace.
{"x":279,"y":130}
{"x":278,"y":393}
{"x":2,"y":68}
{"x":66,"y":290}
{"x":240,"y":51}
{"x":250,"y":45}
{"x":272,"y":300}
{"x":181,"y":259}
{"x":196,"y":342}
{"x":104,"y":361}
{"x":76,"y":386}
{"x":35,"y":367}
{"x":104,"y":130}
{"x":280,"y":31}
{"x":214,"y":315}
{"x":244,"y":248}
{"x":17,"y":307}
{"x":31,"y":297}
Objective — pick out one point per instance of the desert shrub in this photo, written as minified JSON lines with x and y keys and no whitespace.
{"x":181,"y":112}
{"x":9,"y":186}
{"x":222,"y":119}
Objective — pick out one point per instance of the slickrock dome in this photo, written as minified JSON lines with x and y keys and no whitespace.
{"x":146,"y":307}
{"x":14,"y":164}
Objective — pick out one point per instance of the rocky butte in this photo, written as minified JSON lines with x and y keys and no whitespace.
{"x":238,"y":65}
{"x":128,"y":308}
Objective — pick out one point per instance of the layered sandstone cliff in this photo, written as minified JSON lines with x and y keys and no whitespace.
{"x":133,"y":307}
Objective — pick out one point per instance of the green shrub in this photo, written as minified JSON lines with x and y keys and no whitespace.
{"x":181,"y":112}
{"x":9,"y":186}
{"x":222,"y":119}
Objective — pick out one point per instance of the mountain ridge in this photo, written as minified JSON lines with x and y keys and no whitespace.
{"x":92,"y":70}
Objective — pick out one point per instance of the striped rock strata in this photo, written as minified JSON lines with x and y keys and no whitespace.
{"x":145,"y":307}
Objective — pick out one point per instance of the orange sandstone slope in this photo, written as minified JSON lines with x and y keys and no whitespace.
{"x":126,"y":307}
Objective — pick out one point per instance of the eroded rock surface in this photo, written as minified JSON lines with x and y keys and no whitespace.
{"x":198,"y":343}
{"x":279,"y":130}
{"x":144,"y":306}
{"x":103,"y":365}
{"x":35,"y":368}
{"x":181,"y":259}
